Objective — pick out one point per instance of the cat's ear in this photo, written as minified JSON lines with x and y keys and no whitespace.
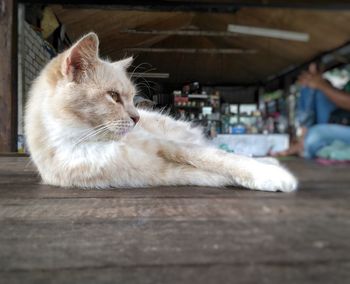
{"x":124,"y":63}
{"x":81,"y":56}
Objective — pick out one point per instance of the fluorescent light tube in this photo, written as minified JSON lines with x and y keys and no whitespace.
{"x":279,"y":34}
{"x":149,"y":75}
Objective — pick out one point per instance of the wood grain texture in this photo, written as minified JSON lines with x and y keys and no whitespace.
{"x":174,"y":234}
{"x":7,"y":74}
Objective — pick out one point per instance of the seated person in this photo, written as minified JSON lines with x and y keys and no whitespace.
{"x":318,"y":100}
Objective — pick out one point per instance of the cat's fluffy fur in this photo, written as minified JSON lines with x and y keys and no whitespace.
{"x":80,"y":129}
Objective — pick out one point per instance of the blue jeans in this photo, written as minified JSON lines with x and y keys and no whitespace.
{"x":314,"y":107}
{"x":322,"y":135}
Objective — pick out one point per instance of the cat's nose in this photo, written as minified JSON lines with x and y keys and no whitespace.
{"x":135,"y":118}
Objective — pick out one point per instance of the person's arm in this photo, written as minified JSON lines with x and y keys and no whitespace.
{"x":316,"y":81}
{"x":340,"y":98}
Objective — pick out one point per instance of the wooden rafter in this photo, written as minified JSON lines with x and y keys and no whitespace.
{"x":193,"y":50}
{"x":199,"y":6}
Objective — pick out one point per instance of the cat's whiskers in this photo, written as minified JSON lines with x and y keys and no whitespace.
{"x":87,"y":131}
{"x":90,"y":131}
{"x":138,"y":67}
{"x":90,"y":135}
{"x":148,"y":87}
{"x":94,"y":131}
{"x":146,"y":83}
{"x":120,"y":127}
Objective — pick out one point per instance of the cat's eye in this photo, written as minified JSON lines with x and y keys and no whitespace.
{"x":114,"y":95}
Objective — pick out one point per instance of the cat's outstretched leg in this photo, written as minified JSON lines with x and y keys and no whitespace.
{"x":242,"y":170}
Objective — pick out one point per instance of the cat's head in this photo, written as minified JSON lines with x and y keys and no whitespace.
{"x":90,"y":91}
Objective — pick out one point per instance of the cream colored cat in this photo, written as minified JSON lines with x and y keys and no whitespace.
{"x":83,"y":130}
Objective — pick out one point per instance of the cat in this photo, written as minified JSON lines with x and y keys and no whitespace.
{"x":83,"y":130}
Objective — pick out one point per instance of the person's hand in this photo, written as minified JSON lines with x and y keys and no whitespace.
{"x":314,"y":81}
{"x":312,"y":78}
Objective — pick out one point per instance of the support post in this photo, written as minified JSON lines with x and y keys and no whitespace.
{"x":8,"y":75}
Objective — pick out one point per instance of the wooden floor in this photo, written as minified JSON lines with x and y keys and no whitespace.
{"x":174,"y":235}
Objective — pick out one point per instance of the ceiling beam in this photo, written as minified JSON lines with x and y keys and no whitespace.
{"x":233,"y":31}
{"x":192,"y":50}
{"x":195,"y":6}
{"x":149,"y":75}
{"x":180,"y":32}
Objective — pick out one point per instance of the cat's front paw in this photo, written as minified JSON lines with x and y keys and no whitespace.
{"x":274,"y":178}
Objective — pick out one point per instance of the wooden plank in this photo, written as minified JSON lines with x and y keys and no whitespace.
{"x":212,"y":273}
{"x":297,"y":246}
{"x":74,"y":244}
{"x":203,"y":208}
{"x":8,"y":104}
{"x":174,"y":234}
